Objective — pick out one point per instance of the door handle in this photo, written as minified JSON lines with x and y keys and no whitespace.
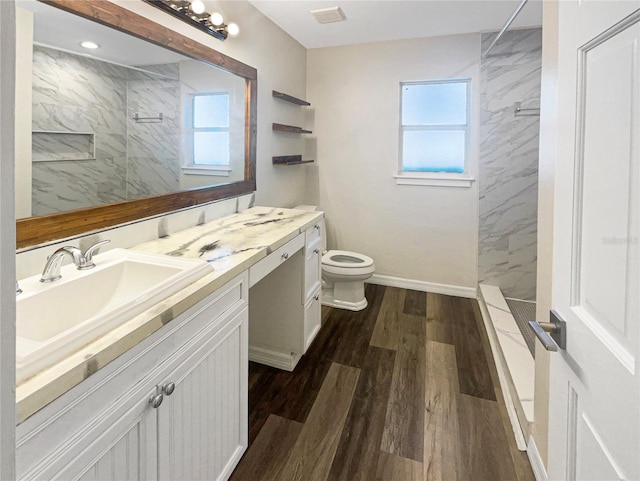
{"x":552,"y":334}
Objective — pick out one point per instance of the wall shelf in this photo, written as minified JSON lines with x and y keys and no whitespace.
{"x":290,"y":160}
{"x":290,"y":128}
{"x":54,"y":145}
{"x":289,"y":98}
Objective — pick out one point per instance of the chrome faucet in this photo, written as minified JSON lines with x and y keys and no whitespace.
{"x":86,"y":260}
{"x":51,"y":271}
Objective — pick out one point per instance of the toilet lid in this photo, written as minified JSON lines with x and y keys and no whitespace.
{"x":346,"y":259}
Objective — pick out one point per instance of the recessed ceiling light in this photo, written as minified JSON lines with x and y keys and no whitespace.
{"x":89,"y":44}
{"x":329,"y":15}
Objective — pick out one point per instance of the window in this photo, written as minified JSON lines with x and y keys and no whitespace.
{"x":434,"y":130}
{"x":208,"y":131}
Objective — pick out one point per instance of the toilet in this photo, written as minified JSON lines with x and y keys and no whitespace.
{"x":343,"y":275}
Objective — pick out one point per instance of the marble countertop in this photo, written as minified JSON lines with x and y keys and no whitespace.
{"x":230,"y":244}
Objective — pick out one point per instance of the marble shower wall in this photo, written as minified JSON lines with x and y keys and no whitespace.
{"x":153,"y":147}
{"x":132,"y":159}
{"x":508,"y":174}
{"x":77,"y":94}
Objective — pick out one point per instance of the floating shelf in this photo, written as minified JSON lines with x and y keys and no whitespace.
{"x":290,"y":128}
{"x":290,"y":160}
{"x":289,"y":98}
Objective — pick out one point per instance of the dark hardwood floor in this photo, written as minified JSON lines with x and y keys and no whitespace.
{"x":403,"y":390}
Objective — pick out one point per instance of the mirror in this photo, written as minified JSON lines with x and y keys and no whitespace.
{"x":155,"y":122}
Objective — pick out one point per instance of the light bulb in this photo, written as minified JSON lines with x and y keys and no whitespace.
{"x":233,"y":29}
{"x":197,"y":7}
{"x":89,"y":44}
{"x":216,"y":19}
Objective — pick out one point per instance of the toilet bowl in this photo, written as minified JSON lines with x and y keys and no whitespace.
{"x":343,"y":275}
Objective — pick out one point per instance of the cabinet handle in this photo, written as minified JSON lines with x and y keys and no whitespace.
{"x":168,"y":388}
{"x":316,"y":297}
{"x":285,"y":256}
{"x":317,"y":226}
{"x":156,"y":400}
{"x":316,"y":251}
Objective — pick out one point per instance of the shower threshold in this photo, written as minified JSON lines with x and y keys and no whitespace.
{"x":514,"y":361}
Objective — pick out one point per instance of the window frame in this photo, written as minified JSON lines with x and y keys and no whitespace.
{"x":189,"y":167}
{"x":445,"y":179}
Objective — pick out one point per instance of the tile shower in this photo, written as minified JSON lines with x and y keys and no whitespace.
{"x":508,"y":199}
{"x":84,"y":108}
{"x":508,"y":179}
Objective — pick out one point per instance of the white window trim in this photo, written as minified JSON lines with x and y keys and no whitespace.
{"x":213,"y":170}
{"x":448,"y":179}
{"x":188,"y":166}
{"x":437,"y":179}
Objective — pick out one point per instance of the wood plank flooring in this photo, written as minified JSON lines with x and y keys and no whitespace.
{"x":403,"y":390}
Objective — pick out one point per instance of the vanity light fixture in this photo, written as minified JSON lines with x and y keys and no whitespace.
{"x":89,"y":44}
{"x":193,"y":12}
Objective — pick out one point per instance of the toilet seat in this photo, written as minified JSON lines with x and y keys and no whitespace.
{"x":346,"y":259}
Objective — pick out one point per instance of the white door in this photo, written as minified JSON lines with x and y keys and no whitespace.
{"x":595,"y":389}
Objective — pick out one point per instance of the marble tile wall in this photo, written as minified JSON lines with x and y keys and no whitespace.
{"x":508,"y":173}
{"x":94,"y":101}
{"x":132,"y":159}
{"x":153,"y":147}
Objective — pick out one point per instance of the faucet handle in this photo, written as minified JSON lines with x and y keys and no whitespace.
{"x":18,"y":290}
{"x":87,"y":258}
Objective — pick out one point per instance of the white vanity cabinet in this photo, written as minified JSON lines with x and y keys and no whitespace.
{"x":195,"y":369}
{"x":202,"y":422}
{"x":284,"y":303}
{"x":312,"y":283}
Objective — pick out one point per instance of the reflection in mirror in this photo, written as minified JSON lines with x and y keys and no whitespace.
{"x":123,"y":121}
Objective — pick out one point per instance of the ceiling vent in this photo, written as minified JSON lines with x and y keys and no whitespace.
{"x":329,"y":15}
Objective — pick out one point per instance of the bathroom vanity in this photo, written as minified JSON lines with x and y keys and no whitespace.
{"x":164,"y":395}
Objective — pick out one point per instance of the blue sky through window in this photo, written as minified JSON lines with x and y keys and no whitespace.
{"x":434,"y":126}
{"x":210,"y":129}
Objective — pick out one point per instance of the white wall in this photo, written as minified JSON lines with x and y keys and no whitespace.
{"x":281,"y":65}
{"x":24,"y":71}
{"x":7,"y":242}
{"x":422,"y":233}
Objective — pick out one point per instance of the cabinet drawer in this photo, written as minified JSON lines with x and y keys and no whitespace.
{"x":312,"y":319}
{"x":313,"y":234}
{"x":263,"y":267}
{"x":312,"y":271}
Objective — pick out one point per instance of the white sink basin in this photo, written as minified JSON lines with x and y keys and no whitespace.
{"x":56,"y":319}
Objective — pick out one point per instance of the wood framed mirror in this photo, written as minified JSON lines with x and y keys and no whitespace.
{"x":36,"y":230}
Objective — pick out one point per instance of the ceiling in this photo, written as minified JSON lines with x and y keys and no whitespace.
{"x":56,"y":28}
{"x":380,"y":20}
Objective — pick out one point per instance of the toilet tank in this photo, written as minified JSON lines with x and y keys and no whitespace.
{"x":313,"y":208}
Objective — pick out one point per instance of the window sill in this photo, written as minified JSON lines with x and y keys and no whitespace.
{"x":217,"y":171}
{"x":438,"y":180}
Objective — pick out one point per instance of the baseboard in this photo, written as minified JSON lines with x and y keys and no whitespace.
{"x":416,"y":285}
{"x":272,"y":358}
{"x":537,"y":465}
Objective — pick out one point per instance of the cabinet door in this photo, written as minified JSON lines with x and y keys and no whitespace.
{"x":312,"y":320}
{"x":119,"y":447}
{"x":202,"y":423}
{"x":312,"y":270}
